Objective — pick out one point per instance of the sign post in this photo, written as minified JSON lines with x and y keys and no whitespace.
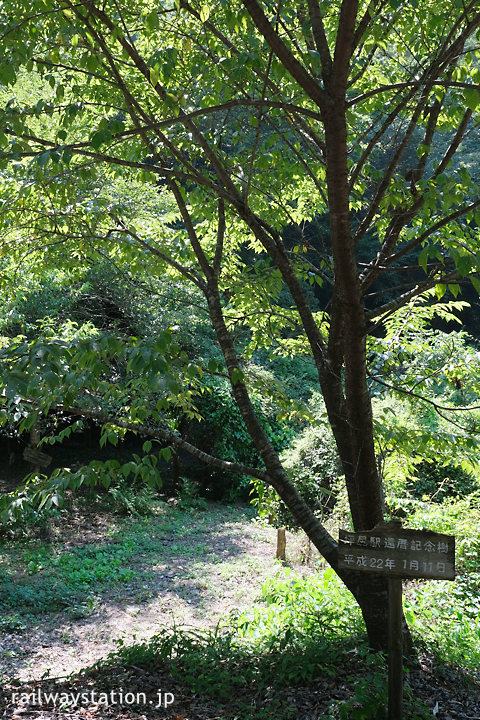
{"x":395,"y":649}
{"x":397,"y":553}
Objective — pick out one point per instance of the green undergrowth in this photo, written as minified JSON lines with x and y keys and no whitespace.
{"x":301,"y":632}
{"x":48,"y":576}
{"x":42,"y":578}
{"x":294,"y":633}
{"x":443,"y":615}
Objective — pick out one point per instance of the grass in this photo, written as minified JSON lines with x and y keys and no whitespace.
{"x":38,"y":577}
{"x":300,"y":632}
{"x":47,"y":580}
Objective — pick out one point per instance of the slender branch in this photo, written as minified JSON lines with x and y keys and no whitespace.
{"x":453,"y":147}
{"x":399,"y":302}
{"x":362,"y":27}
{"x":188,"y":273}
{"x":437,"y":226}
{"x":414,"y":84}
{"x":190,"y":228}
{"x":390,"y":170}
{"x":399,"y":221}
{"x":296,"y":70}
{"x":75,"y":69}
{"x":167,"y":437}
{"x":259,"y":124}
{"x":387,"y":123}
{"x":217,"y":260}
{"x":439,"y":408}
{"x":320,"y":37}
{"x":364,"y":68}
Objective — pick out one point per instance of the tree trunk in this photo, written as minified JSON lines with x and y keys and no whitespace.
{"x":370,"y":592}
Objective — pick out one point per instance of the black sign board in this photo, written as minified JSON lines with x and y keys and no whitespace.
{"x":398,"y":552}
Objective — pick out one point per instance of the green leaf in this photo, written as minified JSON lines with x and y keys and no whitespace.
{"x":315,"y":61}
{"x":67,"y":155}
{"x":472,"y":98}
{"x":43,"y":159}
{"x":213,"y":365}
{"x":151,"y":21}
{"x":7,"y":74}
{"x":204,"y":13}
{"x":237,"y":376}
{"x":166,"y":454}
{"x":440,"y":290}
{"x":100,"y":137}
{"x":422,"y":150}
{"x":92,"y":63}
{"x":155,"y":74}
{"x":423,"y":258}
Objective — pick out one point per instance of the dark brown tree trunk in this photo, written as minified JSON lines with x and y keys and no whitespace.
{"x":369,"y":591}
{"x":347,"y":342}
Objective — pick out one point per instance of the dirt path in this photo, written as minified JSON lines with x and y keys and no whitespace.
{"x":187,"y":569}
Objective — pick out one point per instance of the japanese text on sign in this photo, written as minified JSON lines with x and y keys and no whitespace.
{"x":400,"y":552}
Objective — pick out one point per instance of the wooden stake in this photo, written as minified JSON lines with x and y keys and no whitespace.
{"x":395,"y":649}
{"x":281,"y":544}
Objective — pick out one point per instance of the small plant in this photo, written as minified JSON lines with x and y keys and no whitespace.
{"x":189,"y":496}
{"x":12,"y":624}
{"x":130,"y":499}
{"x":369,"y":701}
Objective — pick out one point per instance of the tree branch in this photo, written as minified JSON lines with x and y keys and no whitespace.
{"x":437,"y":226}
{"x":320,"y":37}
{"x":399,"y":302}
{"x":440,"y":409}
{"x":345,"y":44}
{"x":167,"y":437}
{"x":291,"y":64}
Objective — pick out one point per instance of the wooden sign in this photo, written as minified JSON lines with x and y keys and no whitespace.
{"x":36,"y":457}
{"x":398,"y":552}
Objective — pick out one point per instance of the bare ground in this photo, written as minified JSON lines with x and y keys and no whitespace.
{"x":199,"y":573}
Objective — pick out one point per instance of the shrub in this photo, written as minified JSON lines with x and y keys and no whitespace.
{"x":222,"y":433}
{"x":314,"y":466}
{"x":438,"y":482}
{"x":129,"y":499}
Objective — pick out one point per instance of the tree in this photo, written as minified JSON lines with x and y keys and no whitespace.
{"x":253,"y":117}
